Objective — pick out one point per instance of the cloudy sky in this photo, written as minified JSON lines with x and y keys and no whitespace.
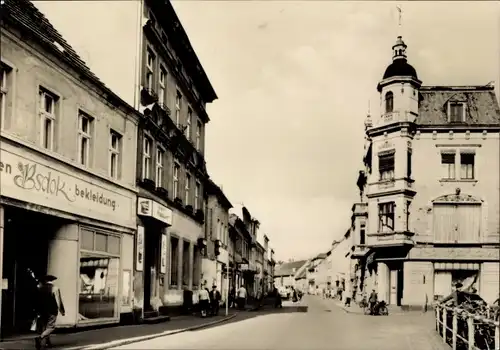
{"x":294,"y":81}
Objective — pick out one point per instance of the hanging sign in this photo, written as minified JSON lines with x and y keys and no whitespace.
{"x":163,"y":262}
{"x":139,"y":259}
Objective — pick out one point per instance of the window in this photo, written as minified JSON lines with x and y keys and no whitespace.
{"x":175,"y":186}
{"x":99,"y":274}
{"x":115,"y":141}
{"x":174,"y":261}
{"x":448,"y":165}
{"x":389,"y":102}
{"x":162,"y":87}
{"x":48,"y":118}
{"x":150,"y":66}
{"x":196,"y":266}
{"x":187,"y":187}
{"x":198,"y":135}
{"x":185,"y":263}
{"x":84,"y":137}
{"x":467,"y":166}
{"x":407,"y":209}
{"x":362,"y":234}
{"x":197,"y":191}
{"x":386,"y":166}
{"x":456,"y":112}
{"x":386,"y":217}
{"x":408,"y":163}
{"x":4,"y":81}
{"x":178,"y":102}
{"x":160,"y":154}
{"x":146,"y":158}
{"x":188,"y":123}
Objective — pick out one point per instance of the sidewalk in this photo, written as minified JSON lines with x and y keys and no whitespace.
{"x":84,"y":339}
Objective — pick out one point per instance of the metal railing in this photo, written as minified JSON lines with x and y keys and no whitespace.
{"x":463,"y":330}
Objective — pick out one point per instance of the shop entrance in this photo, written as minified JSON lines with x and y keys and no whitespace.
{"x":152,"y":256}
{"x":26,"y":243}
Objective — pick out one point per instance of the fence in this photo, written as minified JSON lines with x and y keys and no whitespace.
{"x":463,"y":330}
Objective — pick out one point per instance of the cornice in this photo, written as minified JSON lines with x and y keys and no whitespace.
{"x":390,"y":128}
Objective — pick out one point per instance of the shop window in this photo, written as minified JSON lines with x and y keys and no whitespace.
{"x":99,"y":275}
{"x":174,"y":260}
{"x":185,"y":263}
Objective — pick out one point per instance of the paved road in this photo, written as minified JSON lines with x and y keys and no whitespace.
{"x":324,"y":326}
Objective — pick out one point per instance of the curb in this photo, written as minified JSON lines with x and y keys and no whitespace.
{"x":122,"y":342}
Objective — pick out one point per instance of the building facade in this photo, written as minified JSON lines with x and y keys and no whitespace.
{"x":216,"y":256}
{"x":171,"y":170}
{"x":67,"y":194}
{"x":240,"y":241}
{"x":432,"y":199}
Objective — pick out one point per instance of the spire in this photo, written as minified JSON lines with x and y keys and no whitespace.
{"x":399,"y":49}
{"x":368,"y":120}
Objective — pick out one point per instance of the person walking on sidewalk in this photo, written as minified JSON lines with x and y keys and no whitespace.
{"x":242,"y":297}
{"x":204,"y":301}
{"x":49,"y":305}
{"x":215,"y":298}
{"x":372,"y":301}
{"x":348,"y":294}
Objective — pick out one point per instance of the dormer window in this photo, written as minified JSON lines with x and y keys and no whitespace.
{"x":389,"y":102}
{"x":456,"y":112}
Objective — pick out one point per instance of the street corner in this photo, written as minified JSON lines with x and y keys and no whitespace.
{"x":123,"y":342}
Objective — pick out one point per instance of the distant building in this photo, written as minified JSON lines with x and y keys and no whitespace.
{"x":284,"y":275}
{"x":432,"y":188}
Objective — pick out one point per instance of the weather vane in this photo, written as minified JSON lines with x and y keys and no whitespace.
{"x":400,"y":15}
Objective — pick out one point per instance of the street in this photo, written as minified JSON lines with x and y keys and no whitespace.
{"x":324,"y":326}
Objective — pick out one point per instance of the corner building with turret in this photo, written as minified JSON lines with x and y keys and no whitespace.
{"x":431,"y":188}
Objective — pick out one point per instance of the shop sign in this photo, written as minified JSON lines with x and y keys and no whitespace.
{"x":149,"y":207}
{"x":489,"y":254}
{"x":33,"y":182}
{"x":163,"y":263}
{"x":139,"y":249}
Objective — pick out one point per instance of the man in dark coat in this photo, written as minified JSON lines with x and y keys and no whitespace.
{"x":49,"y":305}
{"x":215,"y":298}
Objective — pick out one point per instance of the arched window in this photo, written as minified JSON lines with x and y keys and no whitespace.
{"x":389,"y":102}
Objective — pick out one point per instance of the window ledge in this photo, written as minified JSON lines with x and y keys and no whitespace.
{"x":459,"y":180}
{"x":406,"y":233}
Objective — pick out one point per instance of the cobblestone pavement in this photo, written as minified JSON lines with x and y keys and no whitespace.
{"x":324,"y":326}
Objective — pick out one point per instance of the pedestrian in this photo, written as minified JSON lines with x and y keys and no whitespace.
{"x":277,"y":296}
{"x":48,"y":306}
{"x":215,"y":299}
{"x":348,"y":294}
{"x":242,"y":296}
{"x":372,"y":301}
{"x":204,"y":299}
{"x":232,"y":297}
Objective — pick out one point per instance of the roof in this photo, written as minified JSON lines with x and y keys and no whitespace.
{"x":481,"y":104}
{"x":194,"y":67}
{"x":400,"y":67}
{"x":301,"y":274}
{"x":287,"y":269}
{"x":25,"y":16}
{"x":213,"y":189}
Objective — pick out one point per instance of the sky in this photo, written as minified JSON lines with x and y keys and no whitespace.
{"x":295,"y":82}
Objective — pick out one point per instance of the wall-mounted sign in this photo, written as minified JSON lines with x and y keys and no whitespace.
{"x":37,"y":181}
{"x":163,"y":262}
{"x":149,"y":207}
{"x":485,"y":254}
{"x":139,"y":249}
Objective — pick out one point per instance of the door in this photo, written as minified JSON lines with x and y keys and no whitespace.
{"x":393,"y":298}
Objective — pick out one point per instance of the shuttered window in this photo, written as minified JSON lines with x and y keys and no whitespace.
{"x":457,"y":223}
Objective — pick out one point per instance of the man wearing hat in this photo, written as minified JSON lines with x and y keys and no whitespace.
{"x":49,"y":304}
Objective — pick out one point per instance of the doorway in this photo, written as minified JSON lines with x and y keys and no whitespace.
{"x":396,"y":284}
{"x":27,"y":236}
{"x":152,"y":256}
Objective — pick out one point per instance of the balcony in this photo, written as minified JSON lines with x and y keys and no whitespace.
{"x":395,"y":117}
{"x":359,"y":252}
{"x":389,"y":239}
{"x":390,"y":187}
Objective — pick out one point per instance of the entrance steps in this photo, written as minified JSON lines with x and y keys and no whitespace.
{"x":152,"y":317}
